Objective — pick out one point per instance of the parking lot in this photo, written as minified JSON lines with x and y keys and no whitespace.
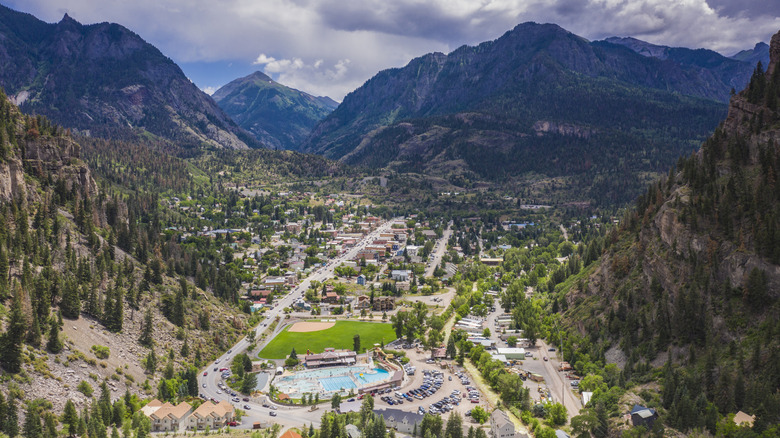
{"x":432,"y":389}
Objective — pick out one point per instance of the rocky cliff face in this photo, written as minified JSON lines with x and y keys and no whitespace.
{"x":705,"y":238}
{"x":104,"y":80}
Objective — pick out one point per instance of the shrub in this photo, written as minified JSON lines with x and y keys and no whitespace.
{"x":85,"y":388}
{"x":101,"y":352}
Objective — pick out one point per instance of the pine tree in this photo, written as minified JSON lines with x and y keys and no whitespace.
{"x":11,"y":354}
{"x":34,"y":333}
{"x":185,"y":349}
{"x":146,"y":332}
{"x":71,"y":303}
{"x":54,"y":344}
{"x":11,"y":427}
{"x":32,"y":423}
{"x":49,"y":425}
{"x":3,"y":409}
{"x":177,"y":316}
{"x":70,"y":418}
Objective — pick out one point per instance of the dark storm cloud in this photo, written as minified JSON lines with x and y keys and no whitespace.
{"x":330,"y":47}
{"x":747,"y":8}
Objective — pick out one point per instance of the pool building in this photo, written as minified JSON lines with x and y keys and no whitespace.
{"x":335,"y":371}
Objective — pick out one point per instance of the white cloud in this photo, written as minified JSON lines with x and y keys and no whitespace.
{"x":333,"y":46}
{"x":210,"y":90}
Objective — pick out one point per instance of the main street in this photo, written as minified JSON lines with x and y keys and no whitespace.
{"x":438,"y":251}
{"x":286,"y":416}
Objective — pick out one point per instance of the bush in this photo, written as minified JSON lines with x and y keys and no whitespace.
{"x":85,"y":388}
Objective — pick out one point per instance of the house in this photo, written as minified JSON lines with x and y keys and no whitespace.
{"x":210,"y":415}
{"x":331,"y":297}
{"x":300,"y":304}
{"x":500,"y":425}
{"x":403,"y":285}
{"x":642,"y":416}
{"x":743,"y":419}
{"x":330,"y":357}
{"x":429,"y":234}
{"x":152,"y":406}
{"x":352,"y":431}
{"x":363,"y":303}
{"x":401,"y":421}
{"x":290,"y":434}
{"x":383,"y":304}
{"x":169,"y":418}
{"x":512,"y":353}
{"x":361,"y":280}
{"x":561,"y":434}
{"x":400,"y":274}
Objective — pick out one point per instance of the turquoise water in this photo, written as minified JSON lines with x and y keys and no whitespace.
{"x":368,"y":378}
{"x":337,"y":383}
{"x":331,"y":379}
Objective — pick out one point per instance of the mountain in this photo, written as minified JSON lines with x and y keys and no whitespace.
{"x":691,"y":277}
{"x":278,"y":116}
{"x":727,"y":72}
{"x":104,"y":80}
{"x":538,"y":100}
{"x":758,"y":53}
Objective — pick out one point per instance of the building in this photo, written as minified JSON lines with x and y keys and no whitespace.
{"x":429,"y":234}
{"x":500,"y":425}
{"x":211,"y":415}
{"x":511,"y":353}
{"x":290,"y":434}
{"x":330,"y":357}
{"x":383,"y":304}
{"x":743,"y":419}
{"x":331,"y":297}
{"x":300,"y":304}
{"x":492,"y":261}
{"x":400,"y":275}
{"x":169,"y":418}
{"x":399,"y":420}
{"x":361,"y":280}
{"x":363,"y":303}
{"x":352,"y":431}
{"x":642,"y":416}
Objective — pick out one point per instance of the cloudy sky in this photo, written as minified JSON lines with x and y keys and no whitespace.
{"x":330,"y":47}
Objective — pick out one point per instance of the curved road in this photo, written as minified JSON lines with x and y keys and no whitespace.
{"x":286,"y":416}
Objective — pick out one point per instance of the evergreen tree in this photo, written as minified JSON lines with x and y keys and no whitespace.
{"x":34,"y":333}
{"x":185,"y":349}
{"x":3,"y":409}
{"x":146,"y":331}
{"x":71,"y":303}
{"x":49,"y":425}
{"x":54,"y":344}
{"x":249,"y":383}
{"x":454,"y":426}
{"x":104,"y":404}
{"x":70,"y":418}
{"x":177,"y":317}
{"x":150,"y":363}
{"x":32,"y":423}
{"x":11,"y":353}
{"x":11,"y":427}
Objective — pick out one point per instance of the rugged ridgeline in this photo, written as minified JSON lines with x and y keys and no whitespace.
{"x":538,"y":99}
{"x":758,"y":53}
{"x":691,"y":276}
{"x":84,"y":295}
{"x":278,"y":116}
{"x":105,"y":80}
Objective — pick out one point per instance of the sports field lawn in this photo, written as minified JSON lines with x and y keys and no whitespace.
{"x":338,"y":336}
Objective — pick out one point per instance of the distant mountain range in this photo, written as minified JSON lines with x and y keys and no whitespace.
{"x":278,"y":116}
{"x":538,"y":100}
{"x":105,"y":80}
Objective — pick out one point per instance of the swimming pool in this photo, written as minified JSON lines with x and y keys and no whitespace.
{"x":326,"y":381}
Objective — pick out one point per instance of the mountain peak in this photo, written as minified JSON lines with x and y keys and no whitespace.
{"x":67,"y":19}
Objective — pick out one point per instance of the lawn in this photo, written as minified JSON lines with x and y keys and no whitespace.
{"x":338,"y":336}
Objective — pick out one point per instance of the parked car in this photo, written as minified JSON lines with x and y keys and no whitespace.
{"x":247,"y":407}
{"x":205,"y":373}
{"x":272,"y":413}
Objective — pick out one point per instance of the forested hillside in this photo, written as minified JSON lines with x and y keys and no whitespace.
{"x":92,"y":292}
{"x":689,"y":283}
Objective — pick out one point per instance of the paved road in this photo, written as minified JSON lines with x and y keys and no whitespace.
{"x":439,"y":250}
{"x":286,"y":416}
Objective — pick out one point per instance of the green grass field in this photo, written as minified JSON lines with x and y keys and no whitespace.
{"x":338,"y":336}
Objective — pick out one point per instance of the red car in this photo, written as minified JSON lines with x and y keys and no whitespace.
{"x":205,"y":373}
